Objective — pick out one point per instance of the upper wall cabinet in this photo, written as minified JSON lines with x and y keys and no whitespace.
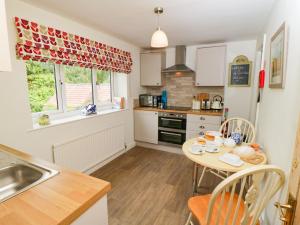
{"x":210,"y":66}
{"x":5,"y":64}
{"x":151,"y":65}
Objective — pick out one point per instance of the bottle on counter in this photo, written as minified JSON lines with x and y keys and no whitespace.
{"x":164,"y":99}
{"x":196,"y":104}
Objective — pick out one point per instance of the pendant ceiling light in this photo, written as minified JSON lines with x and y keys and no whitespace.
{"x":159,"y":38}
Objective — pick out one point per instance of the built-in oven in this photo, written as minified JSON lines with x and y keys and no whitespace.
{"x":171,"y":128}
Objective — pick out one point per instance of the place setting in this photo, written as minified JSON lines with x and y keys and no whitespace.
{"x":232,"y":150}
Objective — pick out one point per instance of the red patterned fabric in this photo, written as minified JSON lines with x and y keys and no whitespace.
{"x":40,"y":43}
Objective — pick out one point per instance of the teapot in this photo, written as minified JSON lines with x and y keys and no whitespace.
{"x":217,"y":102}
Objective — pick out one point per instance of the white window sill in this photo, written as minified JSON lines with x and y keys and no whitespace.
{"x":74,"y":118}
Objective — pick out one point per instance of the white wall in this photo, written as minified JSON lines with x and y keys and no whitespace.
{"x":279,"y":110}
{"x":237,"y":99}
{"x":15,"y":116}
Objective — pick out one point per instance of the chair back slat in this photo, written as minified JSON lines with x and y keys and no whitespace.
{"x":244,"y":205}
{"x":238,"y":205}
{"x":220,"y":207}
{"x":228,"y":213}
{"x":238,"y":125}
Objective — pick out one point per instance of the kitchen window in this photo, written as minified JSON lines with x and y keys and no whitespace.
{"x":64,"y":90}
{"x":42,"y":87}
{"x":78,"y":89}
{"x":103,"y":88}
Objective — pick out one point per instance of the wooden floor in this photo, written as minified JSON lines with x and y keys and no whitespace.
{"x":149,"y":187}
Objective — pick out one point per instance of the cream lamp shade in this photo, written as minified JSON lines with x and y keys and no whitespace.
{"x":159,"y":39}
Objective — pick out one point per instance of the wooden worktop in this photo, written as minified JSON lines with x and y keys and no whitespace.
{"x":57,"y":201}
{"x":195,"y":112}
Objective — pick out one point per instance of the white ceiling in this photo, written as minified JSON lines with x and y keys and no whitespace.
{"x":184,"y":21}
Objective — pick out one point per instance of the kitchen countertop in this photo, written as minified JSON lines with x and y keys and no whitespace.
{"x":57,"y":201}
{"x":191,"y":111}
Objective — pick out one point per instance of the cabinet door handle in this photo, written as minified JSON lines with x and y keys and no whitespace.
{"x":157,"y":83}
{"x":202,"y":127}
{"x":163,"y":132}
{"x":171,"y":119}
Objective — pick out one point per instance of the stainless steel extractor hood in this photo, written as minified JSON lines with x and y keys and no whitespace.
{"x":179,"y":62}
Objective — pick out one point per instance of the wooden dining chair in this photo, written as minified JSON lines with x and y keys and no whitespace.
{"x":231,"y":203}
{"x":238,"y":125}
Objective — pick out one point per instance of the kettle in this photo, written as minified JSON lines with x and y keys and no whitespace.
{"x":217,"y":102}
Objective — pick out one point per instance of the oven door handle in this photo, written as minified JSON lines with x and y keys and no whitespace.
{"x":163,"y":132}
{"x":171,"y":119}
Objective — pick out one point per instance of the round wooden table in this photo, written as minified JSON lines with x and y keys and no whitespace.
{"x":211,"y":161}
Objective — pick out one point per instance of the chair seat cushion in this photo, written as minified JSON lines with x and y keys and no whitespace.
{"x":198,"y":205}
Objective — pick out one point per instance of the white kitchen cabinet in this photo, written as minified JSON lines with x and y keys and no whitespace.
{"x":210,"y":66}
{"x":198,"y":125}
{"x":146,"y":126}
{"x":5,"y":64}
{"x":151,"y":65}
{"x":97,"y":214}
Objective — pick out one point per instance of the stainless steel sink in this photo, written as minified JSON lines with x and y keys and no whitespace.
{"x":17,"y":175}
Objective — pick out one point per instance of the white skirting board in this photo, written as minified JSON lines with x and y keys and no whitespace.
{"x":87,"y":152}
{"x":160,"y":147}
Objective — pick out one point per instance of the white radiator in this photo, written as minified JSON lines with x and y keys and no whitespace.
{"x":85,"y":152}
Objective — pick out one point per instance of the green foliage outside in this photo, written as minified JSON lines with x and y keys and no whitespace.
{"x":41,"y":85}
{"x":41,"y":82}
{"x":102,"y":77}
{"x":79,"y":75}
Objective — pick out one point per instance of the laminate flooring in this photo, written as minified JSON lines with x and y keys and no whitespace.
{"x":149,"y":187}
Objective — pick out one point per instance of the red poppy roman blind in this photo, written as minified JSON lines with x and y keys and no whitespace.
{"x":40,"y":43}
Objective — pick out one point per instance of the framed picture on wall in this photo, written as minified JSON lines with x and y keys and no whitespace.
{"x":277,"y":58}
{"x":240,"y":72}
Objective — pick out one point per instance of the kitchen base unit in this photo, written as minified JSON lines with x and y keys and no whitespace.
{"x":197,"y":125}
{"x":146,"y":126}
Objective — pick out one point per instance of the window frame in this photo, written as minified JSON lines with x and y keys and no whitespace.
{"x":62,"y":111}
{"x":107,"y":105}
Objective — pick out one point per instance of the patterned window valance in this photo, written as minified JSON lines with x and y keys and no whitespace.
{"x":41,"y":43}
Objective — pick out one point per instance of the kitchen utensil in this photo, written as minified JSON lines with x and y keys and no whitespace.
{"x":229,"y":142}
{"x":231,"y":159}
{"x":219,"y":141}
{"x":197,"y":149}
{"x":217,"y":102}
{"x":201,"y":141}
{"x":210,"y":135}
{"x":196,"y":104}
{"x":156,"y":100}
{"x":202,"y":96}
{"x":211,"y":147}
{"x":237,"y":137}
{"x":244,"y":151}
{"x":164,"y":98}
{"x":205,"y":104}
{"x":255,"y":159}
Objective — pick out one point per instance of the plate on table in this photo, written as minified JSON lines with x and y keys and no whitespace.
{"x":197,"y":149}
{"x":231,"y":159}
{"x":212,"y":148}
{"x":208,"y":146}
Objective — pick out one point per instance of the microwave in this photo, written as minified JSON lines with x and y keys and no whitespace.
{"x":146,"y":100}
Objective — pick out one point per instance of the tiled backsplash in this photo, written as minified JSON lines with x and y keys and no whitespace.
{"x":181,"y":89}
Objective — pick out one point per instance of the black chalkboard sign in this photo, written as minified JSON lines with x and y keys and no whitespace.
{"x":240,"y":72}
